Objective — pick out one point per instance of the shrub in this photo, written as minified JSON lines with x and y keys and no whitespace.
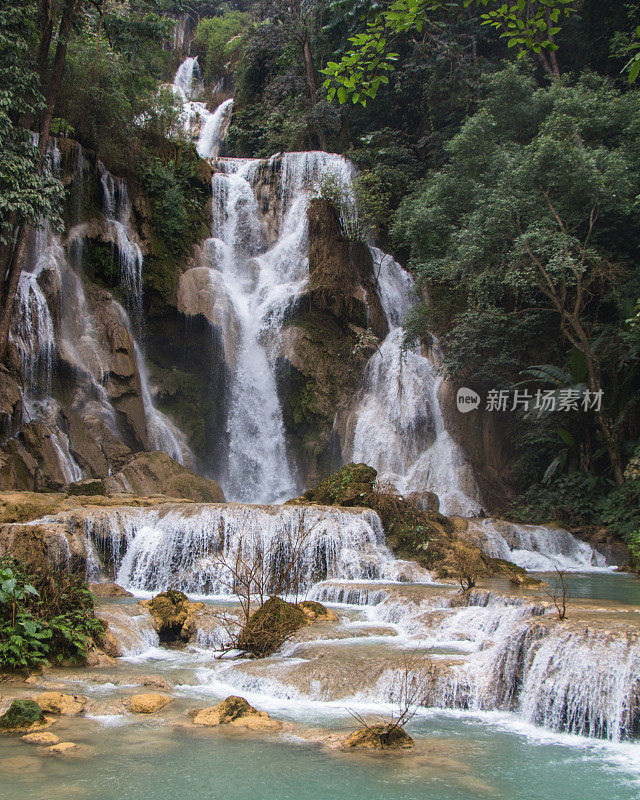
{"x":45,"y":615}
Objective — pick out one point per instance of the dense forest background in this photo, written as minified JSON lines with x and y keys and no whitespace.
{"x":502,"y":169}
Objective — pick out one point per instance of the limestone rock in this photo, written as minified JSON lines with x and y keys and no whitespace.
{"x":63,"y":748}
{"x":203,"y":291}
{"x":316,"y":612}
{"x":147,"y":703}
{"x":67,"y":705}
{"x":173,"y":614}
{"x":108,"y":589}
{"x":157,"y":473}
{"x":379,"y":737}
{"x":236,"y":711}
{"x":41,"y":738}
{"x":155,"y":681}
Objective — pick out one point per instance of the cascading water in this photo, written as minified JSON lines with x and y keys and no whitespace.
{"x":537,"y":548}
{"x":260,"y":284}
{"x":73,"y":336}
{"x":396,"y":425}
{"x":196,"y":117}
{"x":191,"y":548}
{"x":162,"y":433}
{"x":117,"y":211}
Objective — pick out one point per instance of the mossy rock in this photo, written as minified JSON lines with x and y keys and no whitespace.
{"x":270,"y":626}
{"x":316,"y":612}
{"x":87,"y":487}
{"x":350,"y":486}
{"x":22,"y":714}
{"x":380,"y":737}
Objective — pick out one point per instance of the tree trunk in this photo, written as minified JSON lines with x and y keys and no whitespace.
{"x":55,"y":79}
{"x":11,"y":285}
{"x":594,"y":384}
{"x":312,"y":84}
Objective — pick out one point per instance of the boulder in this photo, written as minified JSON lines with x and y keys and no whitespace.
{"x":67,"y":705}
{"x":147,"y":703}
{"x":379,"y":737}
{"x":108,"y":589}
{"x":43,"y":738}
{"x":22,"y":715}
{"x":270,"y":626}
{"x":173,"y":615}
{"x":235,"y":711}
{"x":316,"y":612}
{"x":157,"y":473}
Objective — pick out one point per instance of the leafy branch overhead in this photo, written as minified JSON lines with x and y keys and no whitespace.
{"x":371,"y":56}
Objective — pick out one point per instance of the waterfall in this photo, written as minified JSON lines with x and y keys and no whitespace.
{"x":260,"y":283}
{"x":396,"y":425}
{"x":210,"y":127}
{"x":537,"y":548}
{"x":117,"y":211}
{"x":32,"y":331}
{"x":72,"y":335}
{"x":162,"y":433}
{"x":213,"y":130}
{"x":190,"y":548}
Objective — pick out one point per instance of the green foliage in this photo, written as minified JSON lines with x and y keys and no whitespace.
{"x":366,"y":65}
{"x":217,"y":41}
{"x":28,"y":191}
{"x":44,"y":616}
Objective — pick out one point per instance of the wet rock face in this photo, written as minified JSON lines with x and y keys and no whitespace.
{"x":157,"y":473}
{"x":380,"y":737}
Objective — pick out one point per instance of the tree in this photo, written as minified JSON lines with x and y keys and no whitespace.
{"x":529,"y":26}
{"x":519,"y":223}
{"x":18,"y":24}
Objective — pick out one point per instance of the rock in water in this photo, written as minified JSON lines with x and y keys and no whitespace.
{"x":316,"y":612}
{"x":380,"y":737}
{"x":41,"y":738}
{"x":21,"y":715}
{"x":67,"y":705}
{"x":235,"y":711}
{"x":147,"y":703}
{"x":173,"y":614}
{"x":270,"y":626}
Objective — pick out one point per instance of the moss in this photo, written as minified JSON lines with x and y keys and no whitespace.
{"x":350,"y":486}
{"x":270,"y":626}
{"x":89,"y":487}
{"x":21,"y":714}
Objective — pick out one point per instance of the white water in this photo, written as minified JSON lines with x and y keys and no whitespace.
{"x":537,"y":548}
{"x":260,"y":282}
{"x":190,"y":548}
{"x":117,"y":211}
{"x":162,"y":433}
{"x":196,"y":116}
{"x":396,"y":424}
{"x":73,"y":337}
